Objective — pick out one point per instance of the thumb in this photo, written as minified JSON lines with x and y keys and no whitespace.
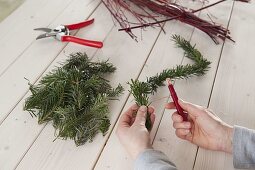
{"x":141,"y":116}
{"x":189,"y":107}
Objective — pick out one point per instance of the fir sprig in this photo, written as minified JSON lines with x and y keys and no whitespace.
{"x":75,"y":98}
{"x":142,"y":90}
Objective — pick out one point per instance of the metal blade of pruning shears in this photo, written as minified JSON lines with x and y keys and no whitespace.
{"x":45,"y":35}
{"x":43,"y":29}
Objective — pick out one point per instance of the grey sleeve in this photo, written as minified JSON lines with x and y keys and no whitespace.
{"x":243,"y":147}
{"x":153,"y":160}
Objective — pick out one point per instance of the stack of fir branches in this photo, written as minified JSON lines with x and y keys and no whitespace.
{"x":75,"y":98}
{"x":142,"y":90}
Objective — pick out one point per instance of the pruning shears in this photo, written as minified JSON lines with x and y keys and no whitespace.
{"x":62,"y":33}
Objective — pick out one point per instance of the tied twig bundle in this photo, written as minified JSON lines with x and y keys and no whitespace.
{"x":141,"y":90}
{"x":145,"y":10}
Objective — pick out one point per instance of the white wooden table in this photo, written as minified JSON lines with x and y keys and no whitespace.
{"x":228,"y":88}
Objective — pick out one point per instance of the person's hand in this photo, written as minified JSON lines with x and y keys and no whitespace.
{"x":132,"y":132}
{"x":204,"y":128}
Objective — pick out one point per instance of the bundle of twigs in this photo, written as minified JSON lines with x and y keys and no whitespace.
{"x":146,"y":11}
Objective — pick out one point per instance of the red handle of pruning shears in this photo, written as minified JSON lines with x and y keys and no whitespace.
{"x":178,"y":107}
{"x":90,"y":43}
{"x":80,"y":25}
{"x":175,"y":99}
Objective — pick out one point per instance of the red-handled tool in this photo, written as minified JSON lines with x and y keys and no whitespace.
{"x":62,"y":33}
{"x":80,"y":25}
{"x":89,"y":43}
{"x":175,"y":99}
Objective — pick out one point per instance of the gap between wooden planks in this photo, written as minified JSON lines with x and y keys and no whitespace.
{"x":13,"y":143}
{"x":164,"y":55}
{"x":196,"y":90}
{"x":233,"y":94}
{"x":41,"y":151}
{"x":23,"y":13}
{"x":113,"y":155}
{"x":106,"y":161}
{"x":20,"y":36}
{"x":13,"y":86}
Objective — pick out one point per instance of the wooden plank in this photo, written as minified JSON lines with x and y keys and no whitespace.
{"x":196,"y":90}
{"x":27,"y":10}
{"x":233,"y":94}
{"x":7,"y":7}
{"x":13,"y":86}
{"x":164,"y":55}
{"x":20,"y":34}
{"x":15,"y":143}
{"x":46,"y":154}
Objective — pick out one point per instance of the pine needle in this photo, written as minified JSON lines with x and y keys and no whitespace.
{"x":142,"y":90}
{"x":75,"y":98}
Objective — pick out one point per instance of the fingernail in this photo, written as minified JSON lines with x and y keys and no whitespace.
{"x":143,"y":108}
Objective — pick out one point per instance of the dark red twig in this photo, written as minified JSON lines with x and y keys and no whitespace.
{"x":247,"y":1}
{"x":169,"y":19}
{"x":144,"y":10}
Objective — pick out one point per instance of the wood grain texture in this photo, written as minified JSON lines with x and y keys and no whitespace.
{"x":15,"y":143}
{"x":7,"y":7}
{"x":26,"y":145}
{"x":34,"y":60}
{"x":196,"y":90}
{"x":163,"y":55}
{"x":64,"y":154}
{"x":20,"y":35}
{"x":233,"y":94}
{"x":24,"y":12}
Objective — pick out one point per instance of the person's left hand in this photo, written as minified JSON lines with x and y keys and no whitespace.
{"x":132,"y":132}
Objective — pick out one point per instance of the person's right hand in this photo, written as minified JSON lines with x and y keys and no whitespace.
{"x":203,"y":128}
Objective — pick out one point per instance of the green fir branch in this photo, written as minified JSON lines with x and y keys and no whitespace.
{"x":142,"y":90}
{"x":75,"y":98}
